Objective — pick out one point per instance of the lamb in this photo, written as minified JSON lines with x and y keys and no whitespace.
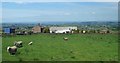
{"x":30,"y":43}
{"x":12,"y":50}
{"x":84,"y":32}
{"x":65,"y":38}
{"x":18,"y":44}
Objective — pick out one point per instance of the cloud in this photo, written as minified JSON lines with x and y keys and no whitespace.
{"x":21,"y":2}
{"x":19,"y":13}
{"x":59,"y":12}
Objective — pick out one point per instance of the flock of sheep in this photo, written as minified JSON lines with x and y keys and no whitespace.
{"x":18,"y":44}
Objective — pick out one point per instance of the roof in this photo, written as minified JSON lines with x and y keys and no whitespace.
{"x":36,"y":27}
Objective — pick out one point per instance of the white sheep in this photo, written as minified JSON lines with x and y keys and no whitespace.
{"x":12,"y":50}
{"x":65,"y":38}
{"x":30,"y":43}
{"x":18,"y":44}
{"x":84,"y":32}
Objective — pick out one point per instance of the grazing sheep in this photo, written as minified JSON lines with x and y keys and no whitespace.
{"x":30,"y":43}
{"x":12,"y":50}
{"x":65,"y":38}
{"x":18,"y":44}
{"x":84,"y":32}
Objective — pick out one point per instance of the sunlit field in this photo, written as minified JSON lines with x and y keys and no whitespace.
{"x":52,"y":47}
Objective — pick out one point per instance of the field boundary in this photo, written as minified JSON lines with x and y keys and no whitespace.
{"x":61,"y":62}
{"x":0,"y":50}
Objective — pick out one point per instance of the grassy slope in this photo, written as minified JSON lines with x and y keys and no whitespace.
{"x":89,"y":47}
{"x":0,"y":49}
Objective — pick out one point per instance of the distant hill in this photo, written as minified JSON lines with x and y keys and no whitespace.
{"x":92,"y":23}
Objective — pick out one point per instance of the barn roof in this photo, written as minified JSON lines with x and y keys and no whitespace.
{"x":37,"y":27}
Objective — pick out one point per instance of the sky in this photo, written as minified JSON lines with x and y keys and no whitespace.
{"x":60,"y":0}
{"x":59,"y":11}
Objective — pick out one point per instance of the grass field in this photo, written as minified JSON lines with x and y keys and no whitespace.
{"x":52,"y":47}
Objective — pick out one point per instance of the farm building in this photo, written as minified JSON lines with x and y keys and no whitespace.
{"x":9,"y":30}
{"x":37,"y":29}
{"x":104,"y":30}
{"x":21,"y":32}
{"x":62,"y":29}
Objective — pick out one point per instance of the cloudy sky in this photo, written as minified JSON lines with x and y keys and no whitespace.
{"x":59,"y":11}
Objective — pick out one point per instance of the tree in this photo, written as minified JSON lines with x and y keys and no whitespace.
{"x":46,"y":30}
{"x":75,"y":31}
{"x":92,"y":31}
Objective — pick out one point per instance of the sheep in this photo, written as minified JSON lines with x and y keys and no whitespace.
{"x":12,"y":50}
{"x":30,"y":43}
{"x":18,"y":44}
{"x":84,"y":32}
{"x":65,"y":38}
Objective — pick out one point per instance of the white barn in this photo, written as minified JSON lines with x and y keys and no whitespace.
{"x":62,"y":29}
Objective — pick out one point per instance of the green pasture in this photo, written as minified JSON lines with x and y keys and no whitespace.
{"x":52,"y":47}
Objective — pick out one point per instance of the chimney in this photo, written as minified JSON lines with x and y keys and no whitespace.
{"x":38,"y":24}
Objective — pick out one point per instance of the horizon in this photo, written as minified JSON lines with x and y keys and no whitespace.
{"x":57,"y":22}
{"x":59,"y":11}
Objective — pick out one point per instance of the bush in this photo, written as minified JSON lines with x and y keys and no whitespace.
{"x":46,"y":30}
{"x":76,"y":31}
{"x":20,"y":59}
{"x":92,"y":31}
{"x":35,"y":59}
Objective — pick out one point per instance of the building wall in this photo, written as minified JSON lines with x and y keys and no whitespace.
{"x":36,"y":29}
{"x":62,"y":29}
{"x":9,"y":30}
{"x":6,"y":30}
